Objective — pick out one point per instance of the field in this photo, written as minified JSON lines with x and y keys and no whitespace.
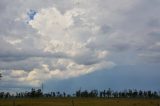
{"x":79,"y":102}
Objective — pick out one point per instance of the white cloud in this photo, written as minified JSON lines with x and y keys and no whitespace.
{"x":62,"y":69}
{"x":73,"y":38}
{"x":61,"y":53}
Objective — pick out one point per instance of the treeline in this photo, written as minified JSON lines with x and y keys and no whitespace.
{"x":119,"y":94}
{"x":80,"y":94}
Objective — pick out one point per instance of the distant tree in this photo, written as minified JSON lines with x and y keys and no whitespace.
{"x":115,"y":94}
{"x":123,"y":94}
{"x":78,"y":93}
{"x":149,"y":94}
{"x":33,"y":92}
{"x":101,"y":94}
{"x":64,"y":94}
{"x":109,"y":92}
{"x":140,"y":93}
{"x":39,"y":93}
{"x":0,"y":75}
{"x":7,"y":95}
{"x":94,"y":93}
{"x":1,"y":94}
{"x":104,"y":93}
{"x":84,"y":93}
{"x":145,"y":94}
{"x":53,"y":94}
{"x":135,"y":93}
{"x":120,"y":94}
{"x":129,"y":93}
{"x":155,"y":94}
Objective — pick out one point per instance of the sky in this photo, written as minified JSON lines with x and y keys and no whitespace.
{"x":73,"y":44}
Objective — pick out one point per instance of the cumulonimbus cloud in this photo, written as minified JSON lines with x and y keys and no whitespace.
{"x":61,"y":51}
{"x":64,"y":41}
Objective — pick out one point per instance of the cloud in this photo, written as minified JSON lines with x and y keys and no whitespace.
{"x":70,"y":38}
{"x":62,"y":69}
{"x":50,"y":46}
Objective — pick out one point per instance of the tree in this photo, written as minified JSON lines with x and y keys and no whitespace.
{"x":64,"y":94}
{"x":149,"y":94}
{"x":135,"y":93}
{"x":39,"y":93}
{"x":78,"y":93}
{"x":94,"y":93}
{"x":109,"y":92}
{"x":115,"y":94}
{"x":33,"y":92}
{"x":155,"y":94}
{"x":0,"y":75}
{"x":130,"y":93}
{"x":101,"y":94}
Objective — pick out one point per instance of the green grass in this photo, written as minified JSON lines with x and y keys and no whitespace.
{"x":79,"y":102}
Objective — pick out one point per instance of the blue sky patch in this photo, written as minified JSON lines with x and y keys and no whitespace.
{"x":31,"y":14}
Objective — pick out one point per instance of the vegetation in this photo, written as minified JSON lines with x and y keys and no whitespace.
{"x":81,"y":98}
{"x":84,"y":94}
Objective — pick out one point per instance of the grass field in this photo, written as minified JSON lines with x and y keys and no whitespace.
{"x":79,"y":102}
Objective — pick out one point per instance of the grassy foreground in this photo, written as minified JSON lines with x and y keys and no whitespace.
{"x":79,"y":102}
